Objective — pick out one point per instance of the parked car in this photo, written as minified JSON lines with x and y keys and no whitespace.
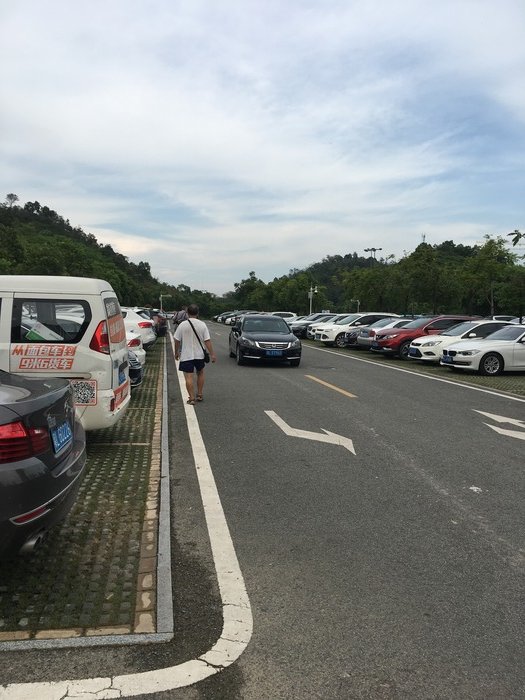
{"x":230,"y":320}
{"x":366,"y":335}
{"x":430,"y":349}
{"x":260,"y":338}
{"x":396,"y":341}
{"x":159,"y":318}
{"x":288,"y":316}
{"x":299,"y":327}
{"x":221,"y":318}
{"x":352,"y":334}
{"x":42,"y":459}
{"x":134,"y":342}
{"x":503,"y":351}
{"x":135,"y":322}
{"x":316,"y":326}
{"x":70,"y":327}
{"x":136,"y":370}
{"x":336,"y":333}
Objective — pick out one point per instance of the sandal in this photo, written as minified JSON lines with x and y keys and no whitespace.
{"x":191,"y":402}
{"x":199,"y":397}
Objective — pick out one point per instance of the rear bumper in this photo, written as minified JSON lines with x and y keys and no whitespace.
{"x":60,"y":495}
{"x":101,"y":416}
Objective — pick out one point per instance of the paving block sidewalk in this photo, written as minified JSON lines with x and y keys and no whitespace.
{"x":95,"y":574}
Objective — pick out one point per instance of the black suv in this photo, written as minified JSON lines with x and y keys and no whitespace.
{"x":258,"y":337}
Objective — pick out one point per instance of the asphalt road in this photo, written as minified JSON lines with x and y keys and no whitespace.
{"x":394,"y":572}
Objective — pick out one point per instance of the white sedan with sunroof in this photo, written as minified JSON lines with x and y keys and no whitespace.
{"x":503,"y":351}
{"x":430,"y":348}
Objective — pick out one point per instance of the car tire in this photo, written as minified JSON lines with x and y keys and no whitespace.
{"x":238,"y":355}
{"x":403,"y":350}
{"x":340,"y":341}
{"x":491,"y":364}
{"x":232,"y":354}
{"x":295,"y":363}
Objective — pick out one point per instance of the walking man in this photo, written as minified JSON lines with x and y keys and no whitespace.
{"x":191,"y":337}
{"x":180,"y":316}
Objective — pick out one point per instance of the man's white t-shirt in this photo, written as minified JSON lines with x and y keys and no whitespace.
{"x":190,"y":348}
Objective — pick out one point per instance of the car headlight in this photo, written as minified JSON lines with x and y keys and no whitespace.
{"x":246,"y":341}
{"x":468,"y":353}
{"x":431,"y":343}
{"x":389,"y":337}
{"x":296,"y":343}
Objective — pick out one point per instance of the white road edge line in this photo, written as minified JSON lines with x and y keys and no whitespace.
{"x":237,"y":615}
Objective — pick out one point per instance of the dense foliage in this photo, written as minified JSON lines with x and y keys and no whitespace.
{"x":483,"y":279}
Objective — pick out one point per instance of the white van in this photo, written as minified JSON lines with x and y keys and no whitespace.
{"x":68,"y":327}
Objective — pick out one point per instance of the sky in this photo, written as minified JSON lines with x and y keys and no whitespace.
{"x":212,"y":138}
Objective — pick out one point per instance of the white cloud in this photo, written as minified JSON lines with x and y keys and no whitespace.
{"x":228,"y":137}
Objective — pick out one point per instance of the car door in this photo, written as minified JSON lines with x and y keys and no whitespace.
{"x":519,"y":353}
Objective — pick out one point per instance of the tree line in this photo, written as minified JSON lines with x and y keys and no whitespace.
{"x":487,"y":278}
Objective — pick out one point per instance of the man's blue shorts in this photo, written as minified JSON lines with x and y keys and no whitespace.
{"x":191,"y":365}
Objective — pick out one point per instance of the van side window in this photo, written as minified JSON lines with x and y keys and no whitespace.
{"x":49,"y":320}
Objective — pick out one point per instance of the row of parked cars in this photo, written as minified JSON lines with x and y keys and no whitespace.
{"x":489,"y":346}
{"x":69,"y":358}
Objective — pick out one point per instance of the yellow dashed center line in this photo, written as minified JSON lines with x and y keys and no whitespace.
{"x":331,"y":386}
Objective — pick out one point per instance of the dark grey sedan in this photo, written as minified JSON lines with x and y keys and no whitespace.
{"x":42,"y":459}
{"x":264,"y":338}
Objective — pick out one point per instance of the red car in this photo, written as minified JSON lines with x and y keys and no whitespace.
{"x":396,"y":341}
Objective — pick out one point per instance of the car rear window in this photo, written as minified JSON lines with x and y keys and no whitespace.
{"x":49,"y":320}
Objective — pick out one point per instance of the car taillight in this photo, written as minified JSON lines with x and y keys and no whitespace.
{"x":134,"y":343}
{"x":18,"y":442}
{"x":145,"y":324}
{"x":100,"y":340}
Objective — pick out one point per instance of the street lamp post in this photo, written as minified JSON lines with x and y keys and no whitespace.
{"x":356,"y":301}
{"x":312,"y":291}
{"x":164,"y":296}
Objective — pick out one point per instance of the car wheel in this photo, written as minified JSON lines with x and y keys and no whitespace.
{"x":403,"y":350}
{"x":295,"y":363}
{"x":340,"y":341}
{"x":491,"y":364}
{"x":240,"y":358}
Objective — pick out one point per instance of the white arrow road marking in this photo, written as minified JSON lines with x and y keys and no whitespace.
{"x":326,"y":436}
{"x":520,"y":435}
{"x":503,"y":419}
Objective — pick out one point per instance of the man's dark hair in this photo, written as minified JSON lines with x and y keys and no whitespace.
{"x":193,"y":310}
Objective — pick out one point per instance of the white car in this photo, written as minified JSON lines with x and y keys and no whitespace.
{"x":134,"y":342}
{"x":317,"y":326}
{"x":288,"y":316}
{"x":430,"y":348}
{"x":335,"y":334}
{"x":502,"y":351}
{"x":135,"y":322}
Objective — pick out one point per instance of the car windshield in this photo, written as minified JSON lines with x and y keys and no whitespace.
{"x":347,"y":319}
{"x":266,"y":325}
{"x":418,"y":323}
{"x":460,"y":328}
{"x":507,"y":333}
{"x":382,"y":322}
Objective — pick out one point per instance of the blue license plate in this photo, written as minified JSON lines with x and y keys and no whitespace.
{"x":61,"y":436}
{"x":412,"y":352}
{"x":375,"y":345}
{"x":274,"y":353}
{"x":447,"y":358}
